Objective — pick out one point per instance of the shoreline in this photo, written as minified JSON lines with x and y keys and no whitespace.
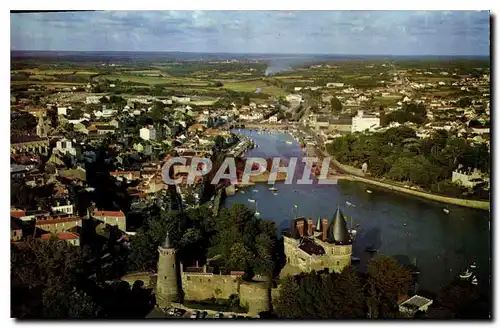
{"x":353,"y":174}
{"x":476,"y":204}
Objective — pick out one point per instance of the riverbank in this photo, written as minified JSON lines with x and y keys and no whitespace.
{"x":354,"y":176}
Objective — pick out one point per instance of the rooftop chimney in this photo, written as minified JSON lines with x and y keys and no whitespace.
{"x":310,"y":227}
{"x":324,"y":225}
{"x":300,"y":227}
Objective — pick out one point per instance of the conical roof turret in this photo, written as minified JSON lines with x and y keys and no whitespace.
{"x":337,"y":230}
{"x":318,"y":224}
{"x":167,"y":243}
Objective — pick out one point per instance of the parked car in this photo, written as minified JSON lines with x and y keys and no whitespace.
{"x":218,"y":315}
{"x":180,"y":312}
{"x":195,"y":315}
{"x":203,"y":314}
{"x":171,"y":311}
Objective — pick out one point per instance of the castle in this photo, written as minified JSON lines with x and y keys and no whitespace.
{"x":307,"y":247}
{"x":314,"y":247}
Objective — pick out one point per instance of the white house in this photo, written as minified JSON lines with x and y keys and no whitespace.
{"x":362,"y":122}
{"x":62,"y":208}
{"x":148,"y":133}
{"x":62,"y":110}
{"x":93,"y":99}
{"x":334,"y":85}
{"x":65,"y":146}
{"x":182,"y":100}
{"x":466,"y":178}
{"x":273,"y":119}
{"x":294,"y":98}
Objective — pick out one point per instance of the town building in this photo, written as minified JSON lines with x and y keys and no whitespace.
{"x":113,"y":218}
{"x":362,"y":122}
{"x":148,"y":133}
{"x":66,"y":147}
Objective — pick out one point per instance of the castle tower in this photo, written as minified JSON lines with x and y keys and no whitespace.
{"x":166,"y":283}
{"x":338,"y":243}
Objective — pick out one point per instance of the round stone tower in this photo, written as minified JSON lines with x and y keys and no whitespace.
{"x":166,"y":283}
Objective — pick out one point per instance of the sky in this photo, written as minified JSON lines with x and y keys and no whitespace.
{"x":459,"y":33}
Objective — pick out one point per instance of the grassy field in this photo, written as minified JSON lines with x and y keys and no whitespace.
{"x":155,"y":79}
{"x":50,"y":72}
{"x":251,"y":86}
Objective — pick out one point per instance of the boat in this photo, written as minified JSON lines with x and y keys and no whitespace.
{"x":355,"y":259}
{"x":257,"y":213}
{"x":369,"y":191}
{"x":251,"y":200}
{"x":473,"y":265}
{"x":255,"y":190}
{"x":288,"y":142}
{"x":446,"y":210}
{"x":353,"y":232}
{"x":273,"y":189}
{"x":371,"y":249}
{"x":474,"y":281}
{"x":350,"y":204}
{"x":242,"y":191}
{"x":465,"y":275}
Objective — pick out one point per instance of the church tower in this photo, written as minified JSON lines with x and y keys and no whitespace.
{"x":166,"y":283}
{"x":42,"y":127}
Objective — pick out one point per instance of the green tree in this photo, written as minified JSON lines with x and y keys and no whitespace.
{"x":336,"y":105}
{"x":387,"y":280}
{"x":287,"y":305}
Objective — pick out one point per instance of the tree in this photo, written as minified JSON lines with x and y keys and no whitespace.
{"x":336,"y":105}
{"x":287,"y":305}
{"x":45,"y":277}
{"x":387,"y":280}
{"x":246,"y":100}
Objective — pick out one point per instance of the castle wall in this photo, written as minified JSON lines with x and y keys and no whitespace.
{"x":201,"y":286}
{"x":255,"y":295}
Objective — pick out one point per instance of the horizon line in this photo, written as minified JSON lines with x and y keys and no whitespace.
{"x":251,"y":53}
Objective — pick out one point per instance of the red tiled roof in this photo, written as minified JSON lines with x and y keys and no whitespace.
{"x":109,"y":213}
{"x":17,"y":213}
{"x":57,"y":220}
{"x":65,"y":235}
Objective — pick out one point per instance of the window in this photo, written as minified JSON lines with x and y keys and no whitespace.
{"x":188,"y":278}
{"x":338,"y":263}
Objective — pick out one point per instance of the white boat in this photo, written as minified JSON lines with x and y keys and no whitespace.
{"x":369,"y":191}
{"x":474,"y":281}
{"x":350,"y":204}
{"x":255,"y":190}
{"x":446,"y":210}
{"x":465,"y":275}
{"x":288,"y":142}
{"x":242,"y":191}
{"x":275,"y":193}
{"x":251,"y":200}
{"x":353,"y":232}
{"x":273,"y":189}
{"x":473,"y":265}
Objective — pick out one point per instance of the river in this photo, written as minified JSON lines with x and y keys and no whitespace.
{"x":399,"y":225}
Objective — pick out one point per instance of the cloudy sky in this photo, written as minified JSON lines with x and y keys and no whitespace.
{"x":318,"y":32}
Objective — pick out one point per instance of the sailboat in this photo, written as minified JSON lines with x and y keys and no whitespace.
{"x":352,"y":231}
{"x":446,"y":210}
{"x":251,"y":200}
{"x":369,"y":191}
{"x":466,"y":274}
{"x":257,"y":213}
{"x":474,"y":281}
{"x":350,"y":204}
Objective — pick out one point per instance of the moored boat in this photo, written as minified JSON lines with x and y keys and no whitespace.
{"x":466,"y":274}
